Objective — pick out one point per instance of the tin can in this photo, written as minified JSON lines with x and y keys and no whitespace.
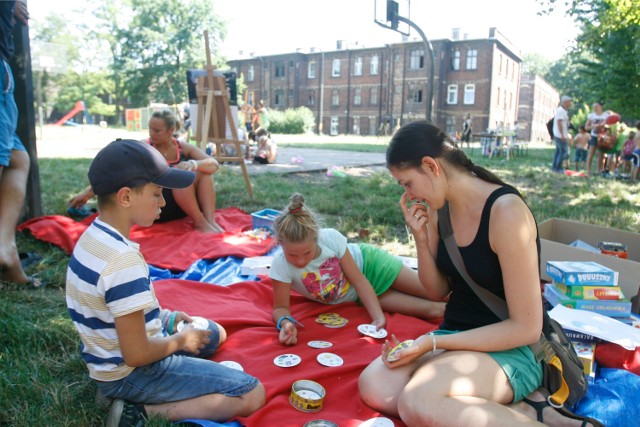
{"x":320,"y":423}
{"x":307,"y":396}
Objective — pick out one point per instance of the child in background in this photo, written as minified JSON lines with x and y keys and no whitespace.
{"x":627,"y":154}
{"x":581,"y":145}
{"x":267,"y":150}
{"x":635,"y":161}
{"x":320,"y":265}
{"x":130,"y":345}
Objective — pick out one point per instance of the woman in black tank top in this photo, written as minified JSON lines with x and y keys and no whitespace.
{"x":487,"y":365}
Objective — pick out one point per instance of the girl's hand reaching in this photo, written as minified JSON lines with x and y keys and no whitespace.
{"x":379,"y":323}
{"x":288,"y":334}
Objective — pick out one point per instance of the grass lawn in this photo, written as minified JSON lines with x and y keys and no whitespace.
{"x":43,"y":381}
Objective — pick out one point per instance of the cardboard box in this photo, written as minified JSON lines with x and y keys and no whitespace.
{"x":557,"y":234}
{"x":590,"y":292}
{"x":587,"y":273}
{"x":586,"y":352}
{"x":256,"y":266}
{"x":619,"y":308}
{"x":581,"y":336}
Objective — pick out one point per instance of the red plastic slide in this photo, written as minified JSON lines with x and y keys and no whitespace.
{"x":76,"y":109}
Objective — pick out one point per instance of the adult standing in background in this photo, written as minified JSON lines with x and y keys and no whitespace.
{"x":561,"y":133}
{"x":14,"y":159}
{"x":466,"y":130}
{"x":595,"y":123}
{"x":261,"y":117}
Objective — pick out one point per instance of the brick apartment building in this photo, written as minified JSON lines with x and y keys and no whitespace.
{"x":365,"y":91}
{"x":538,"y":103}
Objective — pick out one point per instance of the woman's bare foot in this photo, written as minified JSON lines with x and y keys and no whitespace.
{"x":10,"y":267}
{"x":216,"y":226}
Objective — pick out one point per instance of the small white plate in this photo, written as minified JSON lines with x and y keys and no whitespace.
{"x":287,"y":360}
{"x":329,"y":359}
{"x":370,"y":330}
{"x":319,"y":344}
{"x":198,"y":323}
{"x":231,"y":364}
{"x":377,"y":422}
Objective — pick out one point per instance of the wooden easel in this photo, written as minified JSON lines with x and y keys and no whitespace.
{"x":214,"y":113}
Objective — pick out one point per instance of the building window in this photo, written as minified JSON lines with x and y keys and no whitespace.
{"x":335,"y":68}
{"x":469,"y":94}
{"x":311,"y":71}
{"x":452,"y":94}
{"x":498,"y":98}
{"x":472,"y":59}
{"x":357,"y":96}
{"x":335,"y":97}
{"x":455,"y":60}
{"x":415,"y":94}
{"x":251,"y":73}
{"x":279,"y":98}
{"x":357,"y":66}
{"x":311,"y":98}
{"x":373,"y":96}
{"x":374,"y":66}
{"x":500,"y":65}
{"x":280,"y":69}
{"x":416,"y":59}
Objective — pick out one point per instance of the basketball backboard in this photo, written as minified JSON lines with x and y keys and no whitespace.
{"x":384,"y":10}
{"x":50,"y":57}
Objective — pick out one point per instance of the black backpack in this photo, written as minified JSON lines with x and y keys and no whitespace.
{"x":550,"y":126}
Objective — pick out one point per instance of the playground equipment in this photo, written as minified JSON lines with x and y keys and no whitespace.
{"x":76,"y":109}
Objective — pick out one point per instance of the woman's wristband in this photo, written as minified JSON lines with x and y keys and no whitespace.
{"x":194,"y":163}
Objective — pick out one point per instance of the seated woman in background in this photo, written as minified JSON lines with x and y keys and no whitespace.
{"x":197,"y":201}
{"x":267,"y":151}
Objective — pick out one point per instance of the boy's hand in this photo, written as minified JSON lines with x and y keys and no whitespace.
{"x":288,"y":334}
{"x":195,"y":339}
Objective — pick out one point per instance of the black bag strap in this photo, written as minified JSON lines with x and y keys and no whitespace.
{"x":491,"y":300}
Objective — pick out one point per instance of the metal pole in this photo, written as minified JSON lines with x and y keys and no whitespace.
{"x":432,"y":62}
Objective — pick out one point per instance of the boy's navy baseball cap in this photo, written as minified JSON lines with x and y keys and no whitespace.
{"x":130,"y":163}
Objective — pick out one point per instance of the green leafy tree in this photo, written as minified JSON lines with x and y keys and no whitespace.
{"x":605,"y":66}
{"x":165,"y":39}
{"x":535,"y":63}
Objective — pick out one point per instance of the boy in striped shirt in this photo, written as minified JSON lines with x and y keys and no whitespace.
{"x":129,"y":344}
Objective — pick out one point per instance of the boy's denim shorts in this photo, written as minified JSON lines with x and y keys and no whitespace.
{"x":8,"y":116}
{"x":180,"y":377}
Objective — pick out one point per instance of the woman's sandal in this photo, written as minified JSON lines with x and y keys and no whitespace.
{"x":540,"y":406}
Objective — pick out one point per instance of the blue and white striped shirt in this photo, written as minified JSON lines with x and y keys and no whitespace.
{"x":108,"y":277}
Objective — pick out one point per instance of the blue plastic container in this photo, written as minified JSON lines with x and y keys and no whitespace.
{"x":264,"y":218}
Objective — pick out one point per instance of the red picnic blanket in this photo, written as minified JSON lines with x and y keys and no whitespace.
{"x":244,"y":310}
{"x":174,"y":245}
